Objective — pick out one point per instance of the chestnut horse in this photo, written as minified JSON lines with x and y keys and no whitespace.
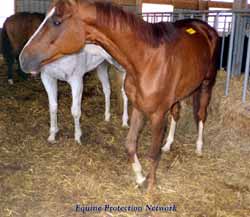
{"x":165,"y":62}
{"x":17,"y":30}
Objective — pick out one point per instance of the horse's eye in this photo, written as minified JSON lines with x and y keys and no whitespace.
{"x":57,"y":22}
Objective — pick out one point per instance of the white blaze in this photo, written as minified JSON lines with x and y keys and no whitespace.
{"x":52,"y":11}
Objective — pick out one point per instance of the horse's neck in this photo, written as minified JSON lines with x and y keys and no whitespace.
{"x":115,"y":42}
{"x":96,"y":50}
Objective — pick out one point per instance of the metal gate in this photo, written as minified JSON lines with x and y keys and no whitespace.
{"x":233,"y":25}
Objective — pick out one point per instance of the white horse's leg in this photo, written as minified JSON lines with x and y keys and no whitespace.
{"x":102,"y":73}
{"x":50,"y":85}
{"x":170,"y":138}
{"x":76,"y":84}
{"x":125,"y":103}
{"x":175,"y":115}
{"x":199,"y":142}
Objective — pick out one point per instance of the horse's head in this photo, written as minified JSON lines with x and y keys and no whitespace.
{"x":59,"y":34}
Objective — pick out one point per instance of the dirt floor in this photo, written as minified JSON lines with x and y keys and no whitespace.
{"x":42,"y":180}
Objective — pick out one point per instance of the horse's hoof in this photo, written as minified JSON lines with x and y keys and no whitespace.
{"x":150,"y":189}
{"x":10,"y":81}
{"x":165,"y":149}
{"x":167,"y":146}
{"x":78,"y":141}
{"x":198,"y":153}
{"x":107,"y":117}
{"x":51,"y":140}
{"x":125,"y":125}
{"x":140,"y":181}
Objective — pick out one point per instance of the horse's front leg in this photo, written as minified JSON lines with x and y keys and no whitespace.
{"x":50,"y":85}
{"x":76,"y":84}
{"x":125,"y":103}
{"x":157,"y":127}
{"x":131,"y":144}
{"x":10,"y":63}
{"x":102,"y":73}
{"x":22,"y":74}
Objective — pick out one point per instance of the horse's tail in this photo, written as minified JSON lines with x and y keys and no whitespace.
{"x":214,"y":47}
{"x":6,"y":44}
{"x":210,"y":76}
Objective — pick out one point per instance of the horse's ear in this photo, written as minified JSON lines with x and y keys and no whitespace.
{"x":65,"y":9}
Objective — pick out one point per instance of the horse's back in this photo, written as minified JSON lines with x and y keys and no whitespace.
{"x":19,"y":28}
{"x":194,"y":26}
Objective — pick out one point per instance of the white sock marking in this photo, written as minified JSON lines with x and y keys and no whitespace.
{"x":170,"y":138}
{"x":138,"y":171}
{"x":199,"y":142}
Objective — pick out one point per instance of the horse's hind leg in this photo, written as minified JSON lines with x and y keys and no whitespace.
{"x":175,"y":115}
{"x":76,"y":84}
{"x":201,"y":99}
{"x":125,"y":103}
{"x":102,"y":73}
{"x":136,"y":123}
{"x":50,"y":85}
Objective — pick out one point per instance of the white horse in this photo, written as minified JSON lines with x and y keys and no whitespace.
{"x":71,"y":69}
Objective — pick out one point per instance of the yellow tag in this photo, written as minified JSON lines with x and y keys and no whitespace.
{"x":190,"y":31}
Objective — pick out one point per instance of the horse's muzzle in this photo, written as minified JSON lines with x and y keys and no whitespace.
{"x":30,"y":63}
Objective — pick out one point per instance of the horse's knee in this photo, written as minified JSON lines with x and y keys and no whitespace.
{"x":131,"y":150}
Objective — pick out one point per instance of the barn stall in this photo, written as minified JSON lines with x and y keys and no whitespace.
{"x":43,"y":179}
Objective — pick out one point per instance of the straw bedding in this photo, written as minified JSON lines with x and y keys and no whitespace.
{"x":40,"y":179}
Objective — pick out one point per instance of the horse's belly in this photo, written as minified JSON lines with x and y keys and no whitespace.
{"x":57,"y":74}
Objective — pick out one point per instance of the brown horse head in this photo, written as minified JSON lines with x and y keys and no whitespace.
{"x":58,"y":27}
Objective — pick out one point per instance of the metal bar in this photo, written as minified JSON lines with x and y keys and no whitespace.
{"x":204,"y":17}
{"x":229,"y":60}
{"x":247,"y":70}
{"x":222,"y":50}
{"x":223,"y":43}
{"x":216,"y":21}
{"x":239,"y":43}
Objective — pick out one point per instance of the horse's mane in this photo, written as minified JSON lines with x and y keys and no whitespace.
{"x":153,"y":34}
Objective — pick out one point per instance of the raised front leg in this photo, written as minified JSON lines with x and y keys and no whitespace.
{"x":76,"y":84}
{"x":50,"y":85}
{"x":175,"y":110}
{"x":131,"y":144}
{"x":102,"y":73}
{"x":157,"y":127}
{"x":125,"y":103}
